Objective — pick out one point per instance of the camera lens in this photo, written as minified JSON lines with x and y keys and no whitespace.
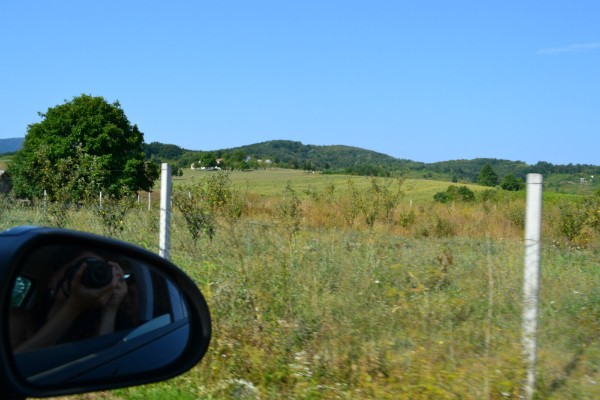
{"x":97,"y":274}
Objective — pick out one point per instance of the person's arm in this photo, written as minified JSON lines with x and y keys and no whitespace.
{"x":20,"y":327}
{"x":52,"y":330}
{"x":109,"y":311}
{"x":61,"y":317}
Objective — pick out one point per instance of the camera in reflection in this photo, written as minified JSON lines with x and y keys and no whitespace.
{"x":97,"y":274}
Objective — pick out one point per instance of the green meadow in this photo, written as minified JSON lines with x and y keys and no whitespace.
{"x":339,"y":287}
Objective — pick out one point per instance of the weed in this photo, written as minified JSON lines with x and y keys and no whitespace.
{"x":288,"y":211}
{"x":407,"y":219}
{"x":196,"y":211}
{"x":572,"y":219}
{"x":112,"y":212}
{"x":57,"y":214}
{"x":443,"y":228}
{"x":349,"y":204}
{"x":7,"y":203}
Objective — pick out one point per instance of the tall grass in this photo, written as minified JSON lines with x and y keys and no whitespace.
{"x":425,"y":304}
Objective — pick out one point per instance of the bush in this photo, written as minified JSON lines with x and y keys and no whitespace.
{"x":192,"y":202}
{"x":488,"y":195}
{"x":288,"y":211}
{"x":511,"y":183}
{"x":57,"y":214}
{"x":463,"y":193}
{"x":407,"y":218}
{"x":572,"y":220}
{"x":443,"y":228}
{"x":7,"y":202}
{"x":516,"y":214}
{"x":442,"y":197}
{"x":453,"y":192}
{"x":112,"y":213}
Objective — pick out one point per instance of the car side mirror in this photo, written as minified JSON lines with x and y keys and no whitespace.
{"x":84,"y":313}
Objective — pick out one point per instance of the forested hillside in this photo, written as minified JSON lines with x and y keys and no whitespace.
{"x":284,"y":153}
{"x":356,"y":161}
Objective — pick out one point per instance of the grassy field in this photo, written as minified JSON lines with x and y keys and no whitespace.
{"x":313,"y":299}
{"x":269,"y":183}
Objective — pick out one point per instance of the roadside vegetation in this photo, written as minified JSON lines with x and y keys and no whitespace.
{"x":345,"y":287}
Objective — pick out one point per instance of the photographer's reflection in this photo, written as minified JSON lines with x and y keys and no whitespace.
{"x":81,"y":300}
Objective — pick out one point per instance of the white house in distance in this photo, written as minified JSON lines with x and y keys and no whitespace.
{"x":196,"y":166}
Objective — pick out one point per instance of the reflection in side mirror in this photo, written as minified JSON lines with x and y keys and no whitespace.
{"x":89,"y":313}
{"x":71,"y":305}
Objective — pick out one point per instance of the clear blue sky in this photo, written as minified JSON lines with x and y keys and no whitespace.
{"x":423,"y":80}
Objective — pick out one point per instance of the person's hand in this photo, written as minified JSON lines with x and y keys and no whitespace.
{"x":83,"y":298}
{"x":117,"y":294}
{"x":120,"y":287}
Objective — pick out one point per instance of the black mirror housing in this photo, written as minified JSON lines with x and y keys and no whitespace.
{"x":190,"y":322}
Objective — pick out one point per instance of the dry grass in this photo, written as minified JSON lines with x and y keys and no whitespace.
{"x":426,"y":306}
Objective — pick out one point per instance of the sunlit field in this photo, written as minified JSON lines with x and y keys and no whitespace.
{"x":268,"y":183}
{"x":338,"y":287}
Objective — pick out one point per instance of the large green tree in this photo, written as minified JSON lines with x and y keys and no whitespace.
{"x":487,"y":176}
{"x":79,"y":148}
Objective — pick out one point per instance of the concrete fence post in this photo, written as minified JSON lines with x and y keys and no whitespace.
{"x":165,"y":210}
{"x":531,"y":281}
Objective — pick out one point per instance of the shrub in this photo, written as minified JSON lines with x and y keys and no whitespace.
{"x":453,"y":192}
{"x":516,"y":215}
{"x":349,"y":204}
{"x":511,"y":183}
{"x":288,"y":211}
{"x":443,"y":228}
{"x":112,"y":213}
{"x":407,"y":218}
{"x":192,"y":202}
{"x":442,"y":197}
{"x":572,"y":219}
{"x":579,"y":220}
{"x":7,"y":202}
{"x":488,"y":195}
{"x":463,"y":193}
{"x":57,"y":214}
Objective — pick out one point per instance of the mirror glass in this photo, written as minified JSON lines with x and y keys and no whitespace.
{"x":84,"y":314}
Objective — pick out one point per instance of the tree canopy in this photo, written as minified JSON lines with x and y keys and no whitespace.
{"x":511,"y":183}
{"x":487,"y":176}
{"x":79,"y":148}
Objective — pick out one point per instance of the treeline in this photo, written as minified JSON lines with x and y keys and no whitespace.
{"x":468,"y":170}
{"x":349,"y":160}
{"x":283,"y":154}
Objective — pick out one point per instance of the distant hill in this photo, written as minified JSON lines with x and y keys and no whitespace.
{"x":320,"y":157}
{"x":10,"y":145}
{"x":357,"y":161}
{"x":291,"y":154}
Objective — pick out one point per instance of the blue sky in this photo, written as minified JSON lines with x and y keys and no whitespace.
{"x":422,"y":80}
